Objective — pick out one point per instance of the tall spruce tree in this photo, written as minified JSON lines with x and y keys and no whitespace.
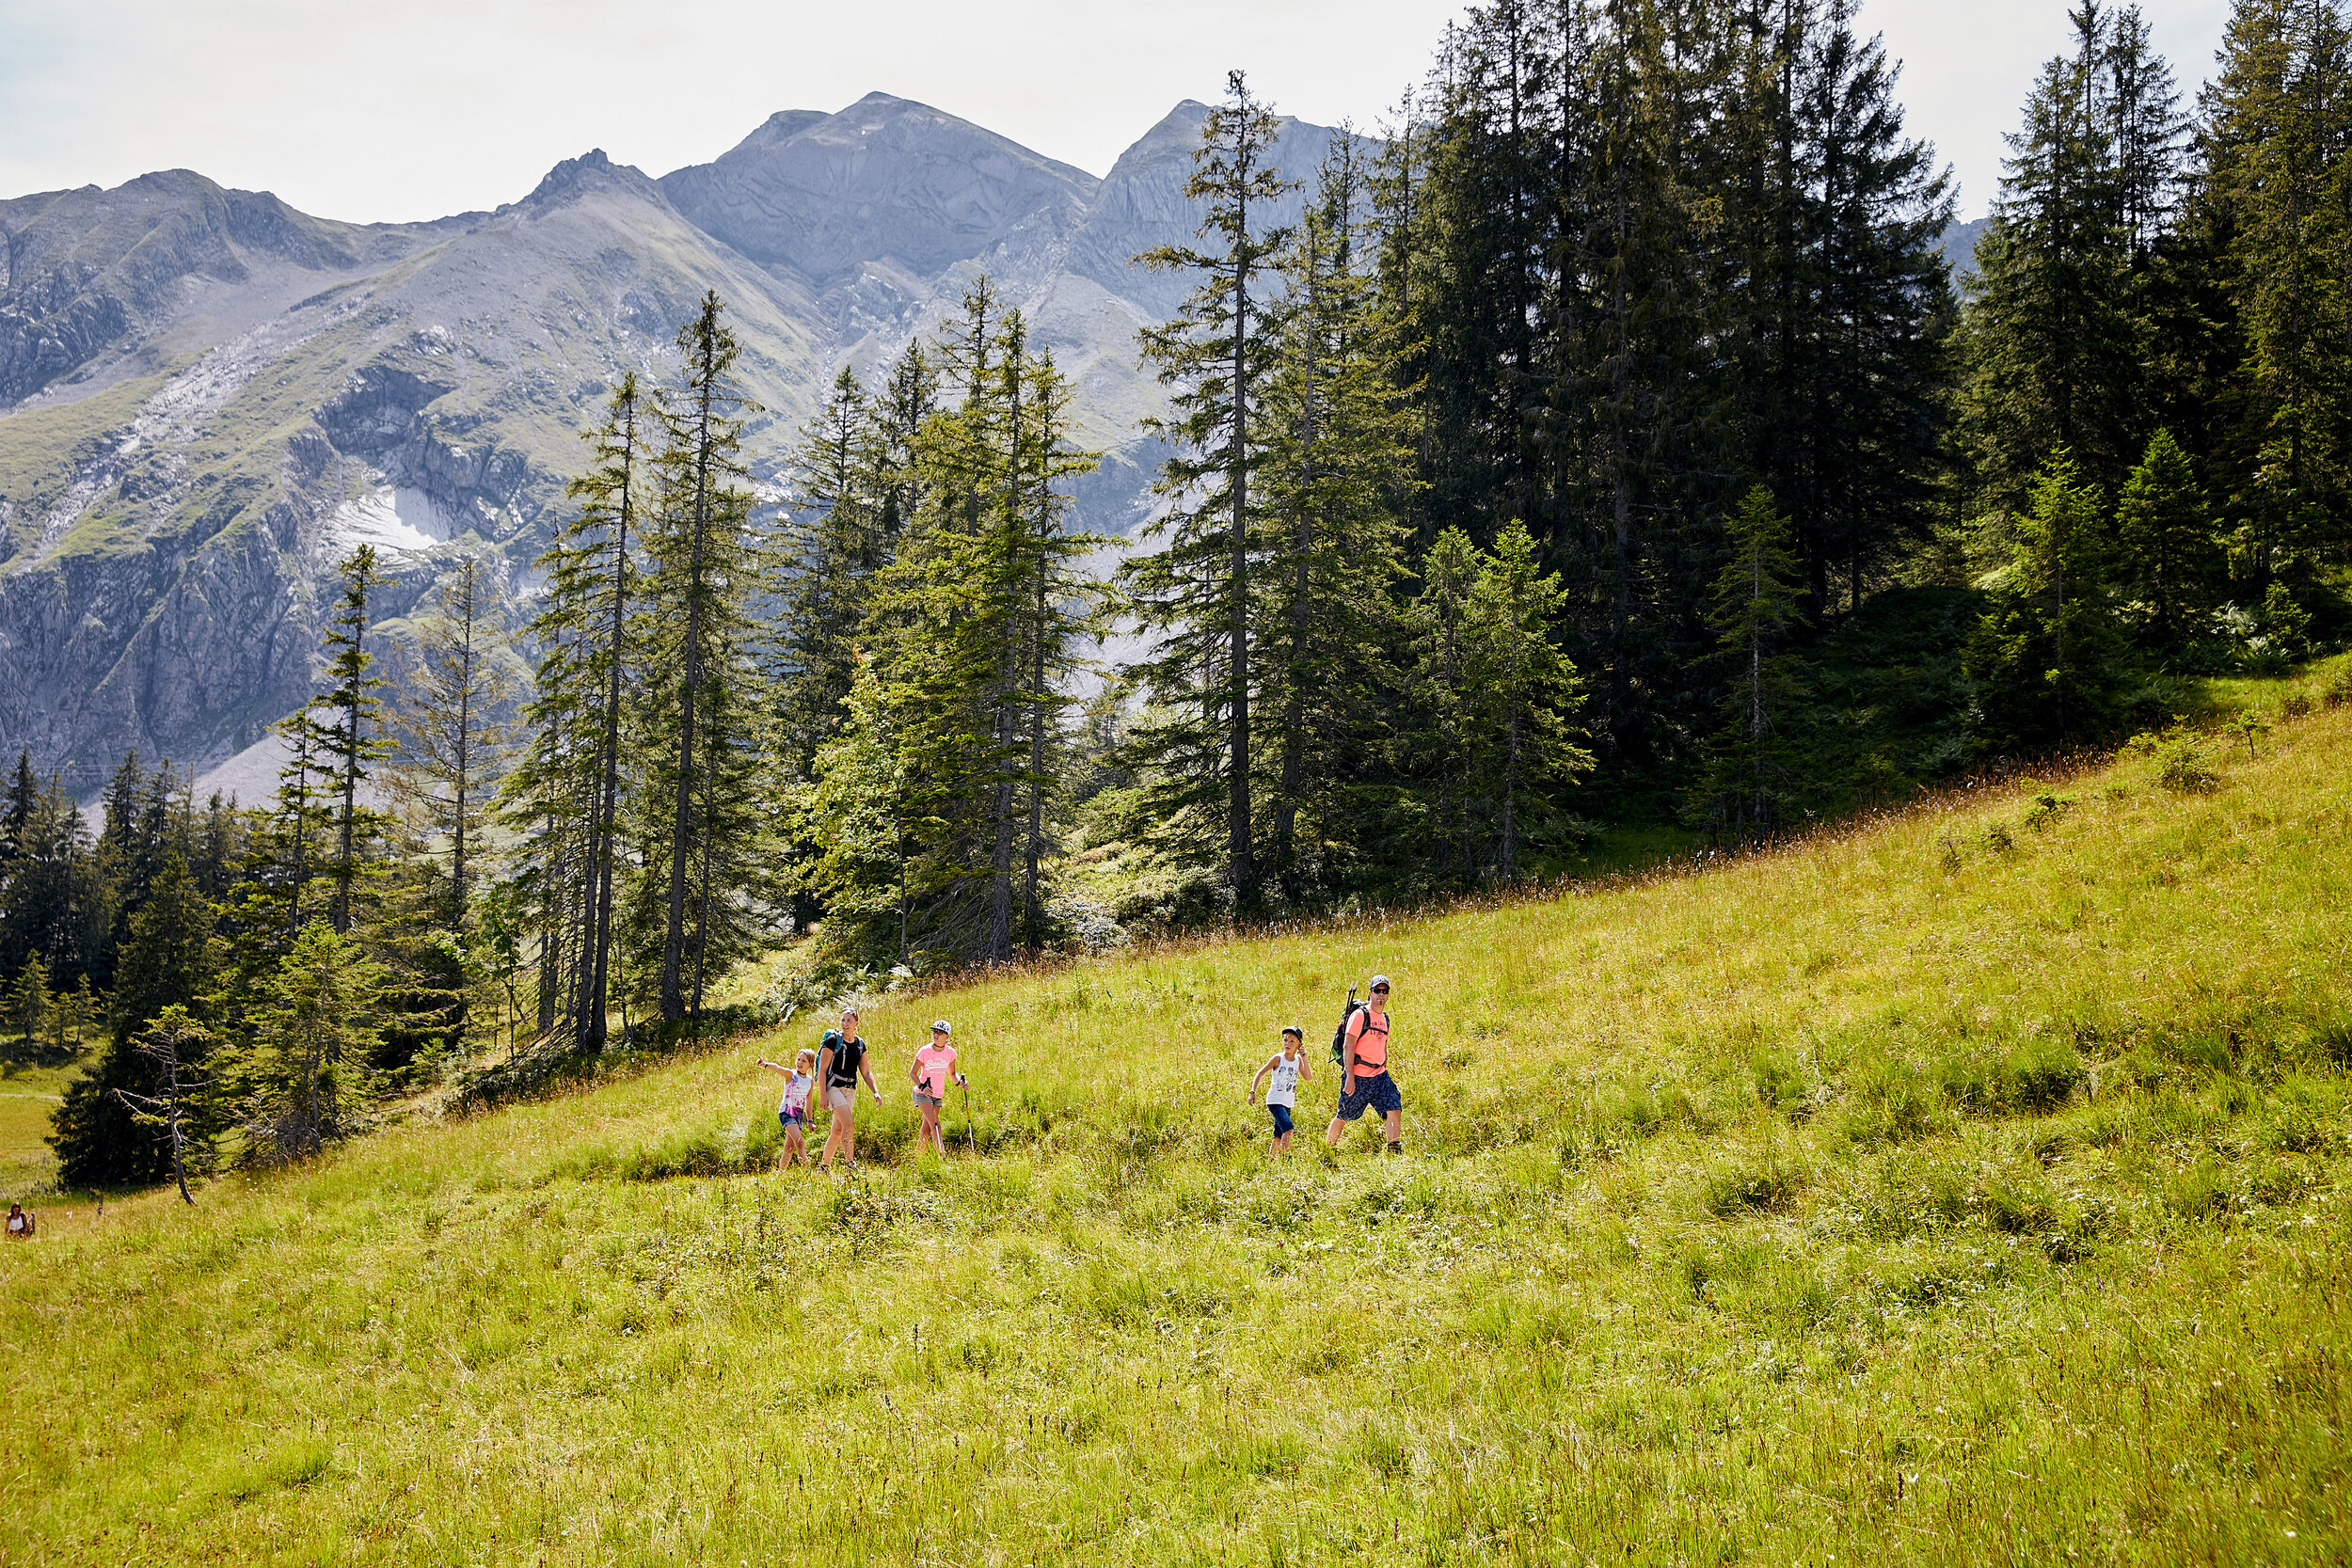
{"x":49,"y":904}
{"x":2277,"y":187}
{"x":698,"y":722}
{"x":350,"y":738}
{"x":1336,"y":476}
{"x":834,"y":541}
{"x":1194,"y":591}
{"x":1833,"y":218}
{"x":976,"y":622}
{"x":2053,"y":336}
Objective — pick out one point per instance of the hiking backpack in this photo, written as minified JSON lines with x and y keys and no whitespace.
{"x":1339,"y":1036}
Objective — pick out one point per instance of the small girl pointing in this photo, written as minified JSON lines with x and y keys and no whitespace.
{"x":792,"y":1110}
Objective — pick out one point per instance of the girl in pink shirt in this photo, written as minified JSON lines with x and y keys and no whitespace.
{"x":934,"y":1068}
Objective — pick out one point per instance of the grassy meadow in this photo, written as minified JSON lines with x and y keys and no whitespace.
{"x":1968,"y":1186}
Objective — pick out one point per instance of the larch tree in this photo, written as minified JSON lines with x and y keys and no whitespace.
{"x":452,"y":721}
{"x":175,"y":1047}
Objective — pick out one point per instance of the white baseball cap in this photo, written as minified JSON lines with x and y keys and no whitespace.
{"x":939,"y":1026}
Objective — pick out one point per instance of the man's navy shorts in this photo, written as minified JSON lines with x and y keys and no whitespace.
{"x":1376,"y":1093}
{"x":1282,"y":1121}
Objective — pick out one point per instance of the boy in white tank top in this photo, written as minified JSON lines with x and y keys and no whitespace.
{"x":1288,"y":1071}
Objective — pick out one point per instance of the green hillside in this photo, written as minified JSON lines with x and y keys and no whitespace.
{"x":1966,"y":1187}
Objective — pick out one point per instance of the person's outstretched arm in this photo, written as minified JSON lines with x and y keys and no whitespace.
{"x":775,"y":1067}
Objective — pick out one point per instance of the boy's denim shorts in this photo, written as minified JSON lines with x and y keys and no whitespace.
{"x":1376,"y":1093}
{"x":1282,"y":1121}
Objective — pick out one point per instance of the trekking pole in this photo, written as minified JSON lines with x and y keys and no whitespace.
{"x":971,"y":1141}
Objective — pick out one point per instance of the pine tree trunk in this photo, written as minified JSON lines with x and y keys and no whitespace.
{"x":604,"y":823}
{"x":1002,"y":728}
{"x":1033,"y":915}
{"x":682,"y":819}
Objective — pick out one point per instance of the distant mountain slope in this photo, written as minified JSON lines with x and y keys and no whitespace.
{"x":206,"y":396}
{"x":1959,"y":246}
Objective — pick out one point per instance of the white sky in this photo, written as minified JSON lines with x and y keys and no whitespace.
{"x":406,"y":109}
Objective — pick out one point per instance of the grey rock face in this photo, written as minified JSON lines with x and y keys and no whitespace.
{"x":85,"y":267}
{"x":207,"y":397}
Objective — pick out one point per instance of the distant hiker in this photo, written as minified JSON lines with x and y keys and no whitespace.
{"x":792,"y":1110}
{"x":1287,"y":1070}
{"x":19,"y":1223}
{"x":841,"y":1063}
{"x":934,"y":1069}
{"x":1364,"y":1081}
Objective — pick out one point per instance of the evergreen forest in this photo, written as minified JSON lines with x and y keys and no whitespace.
{"x":1610,"y":454}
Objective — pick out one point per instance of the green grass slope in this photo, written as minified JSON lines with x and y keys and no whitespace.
{"x":1966,"y":1188}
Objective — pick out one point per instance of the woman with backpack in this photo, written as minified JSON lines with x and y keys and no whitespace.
{"x":841,"y":1063}
{"x":1364,"y":1081}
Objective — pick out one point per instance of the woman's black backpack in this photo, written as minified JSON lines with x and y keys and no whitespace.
{"x":846,"y":1057}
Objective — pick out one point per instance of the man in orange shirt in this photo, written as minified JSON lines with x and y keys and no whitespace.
{"x":1364,"y":1081}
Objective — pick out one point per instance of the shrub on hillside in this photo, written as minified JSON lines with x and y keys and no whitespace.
{"x":2177,"y":758}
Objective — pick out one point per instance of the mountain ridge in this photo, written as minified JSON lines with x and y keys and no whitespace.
{"x":207,"y":396}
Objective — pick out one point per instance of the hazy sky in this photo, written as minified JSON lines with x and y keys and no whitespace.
{"x":417,"y":108}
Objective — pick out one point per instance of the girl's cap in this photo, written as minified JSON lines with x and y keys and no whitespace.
{"x":939,"y":1026}
{"x":1294,"y":1029}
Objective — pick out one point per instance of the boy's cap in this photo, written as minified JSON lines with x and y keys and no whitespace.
{"x":939,"y":1026}
{"x":1294,"y":1029}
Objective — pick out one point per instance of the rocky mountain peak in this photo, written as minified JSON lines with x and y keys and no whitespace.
{"x":591,"y":171}
{"x":886,"y":179}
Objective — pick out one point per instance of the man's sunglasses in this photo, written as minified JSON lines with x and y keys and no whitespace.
{"x":1379,"y":991}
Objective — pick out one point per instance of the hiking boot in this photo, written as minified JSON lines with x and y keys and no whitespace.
{"x":1396,"y":1148}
